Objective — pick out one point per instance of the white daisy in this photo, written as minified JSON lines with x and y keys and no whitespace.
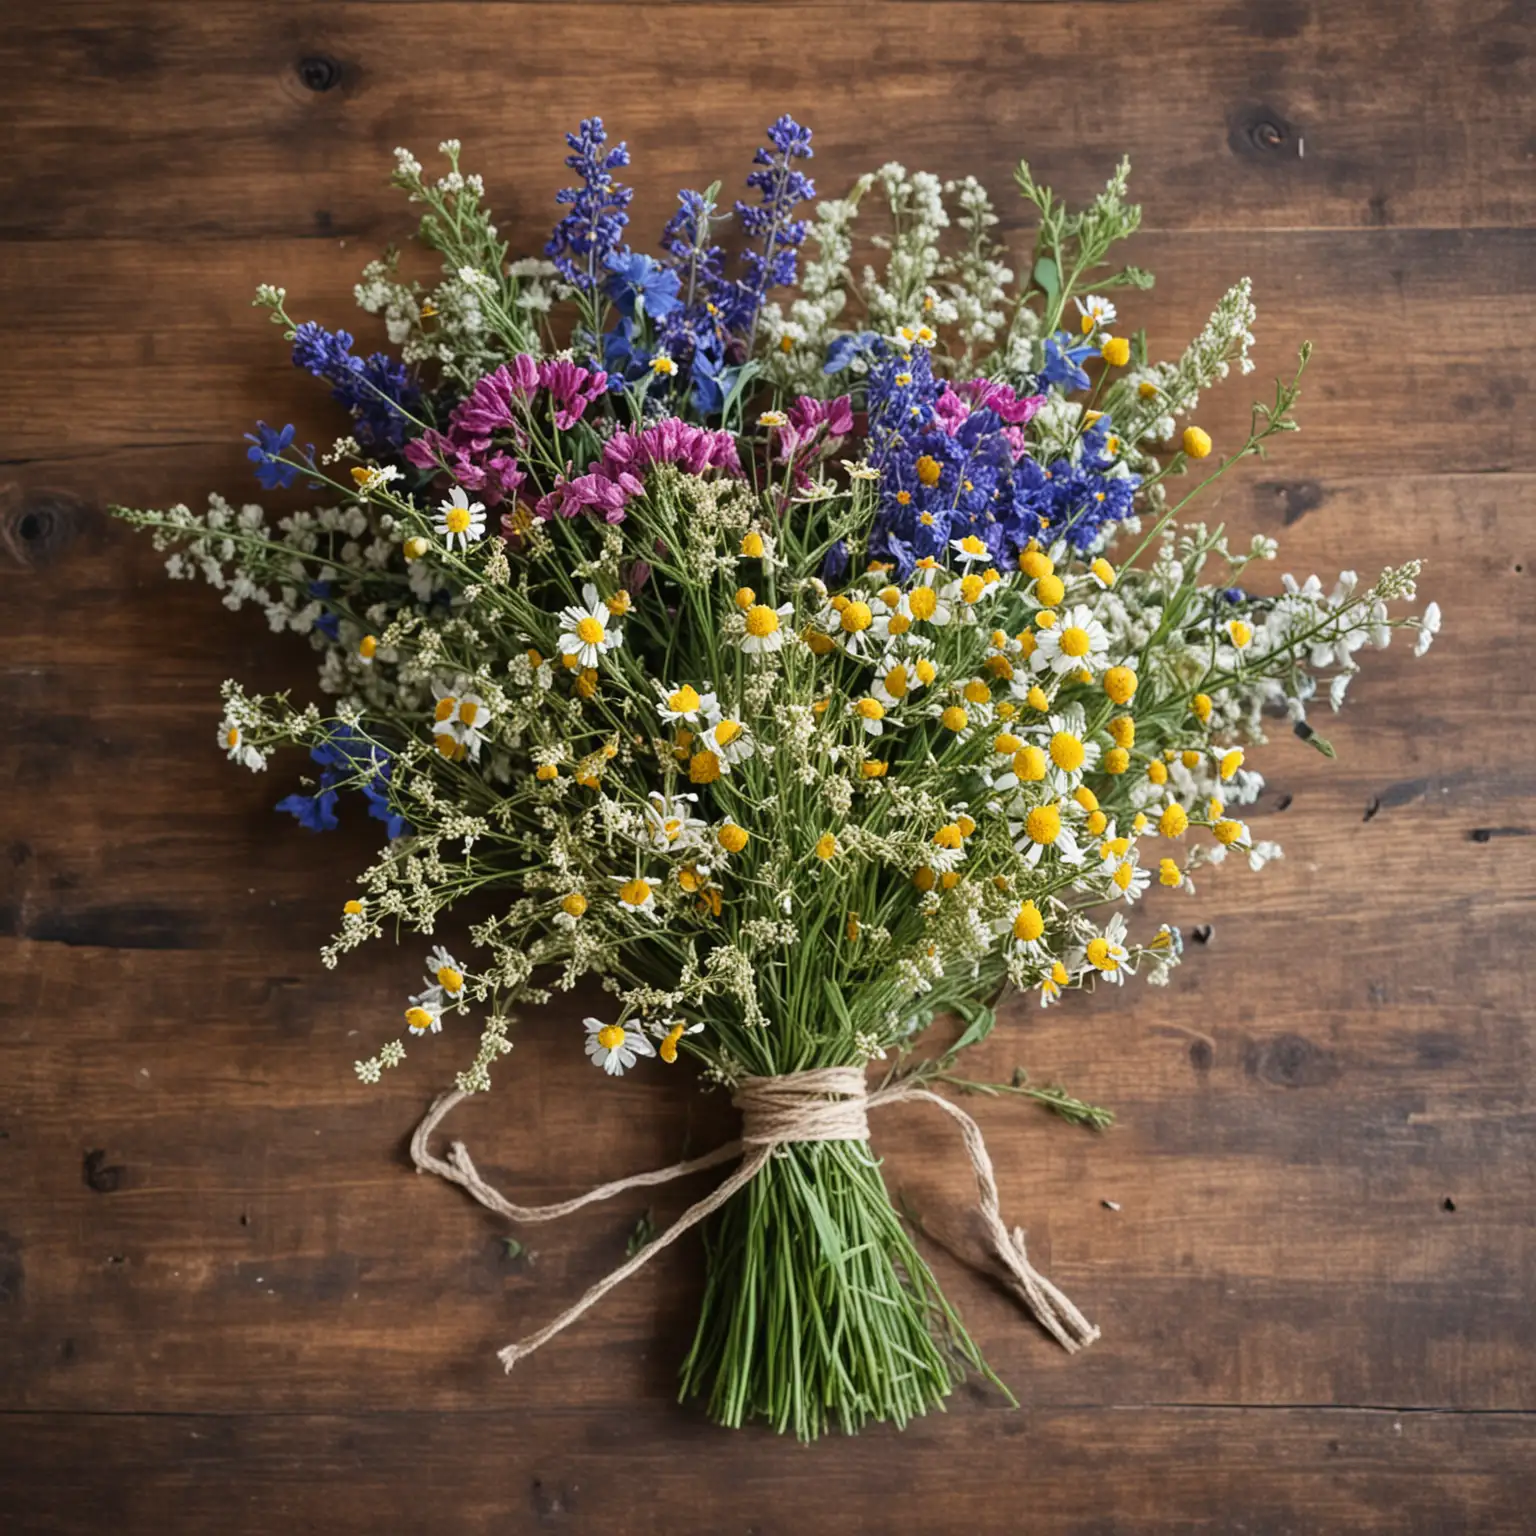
{"x":425,"y":1015}
{"x":869,"y":712}
{"x":637,"y":895}
{"x":684,"y":703}
{"x":970,"y":551}
{"x":763,"y":630}
{"x":238,"y":750}
{"x":1106,"y":952}
{"x":459,"y":520}
{"x":445,"y":976}
{"x":458,"y":720}
{"x":615,"y":1047}
{"x":1044,"y":827}
{"x":669,"y":824}
{"x":897,"y":679}
{"x":584,"y":631}
{"x":728,"y":739}
{"x":1096,"y":312}
{"x":1069,"y":753}
{"x":1077,"y":639}
{"x":1130,"y":879}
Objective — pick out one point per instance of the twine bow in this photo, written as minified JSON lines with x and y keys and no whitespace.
{"x":825,"y":1104}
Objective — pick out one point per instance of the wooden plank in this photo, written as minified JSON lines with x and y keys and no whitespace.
{"x":1411,"y":327}
{"x":1267,"y":116}
{"x":1069,"y":1470}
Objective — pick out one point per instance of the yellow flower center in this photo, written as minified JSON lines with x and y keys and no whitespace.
{"x":971,"y":587}
{"x":928,"y":469}
{"x":971,"y":545}
{"x":1201,"y":704}
{"x":589,"y":631}
{"x":870,"y":709}
{"x":826,"y":846}
{"x":574,"y":904}
{"x":923,"y":601}
{"x":368,"y":647}
{"x":1029,"y":924}
{"x":977,"y":692}
{"x":896,"y":682}
{"x":745,"y":597}
{"x":949,"y":836}
{"x":857,"y":617}
{"x":667,"y":1050}
{"x":1086,"y":798}
{"x":761,"y":620}
{"x":1075,"y":641}
{"x":752,"y":546}
{"x":732,"y":838}
{"x":469,"y":711}
{"x":635,"y":893}
{"x":1122,"y":731}
{"x":353,"y":908}
{"x":449,"y":979}
{"x":1227,"y":832}
{"x":1036,"y":699}
{"x":418,"y":1020}
{"x":954,"y":718}
{"x":1231,"y":762}
{"x":1035,"y":564}
{"x":1007,"y":743}
{"x":1124,"y":875}
{"x":611,"y":1036}
{"x":1104,"y":571}
{"x":703,"y":768}
{"x":1050,"y":589}
{"x":726,"y":732}
{"x":873,"y":768}
{"x":1043,"y":824}
{"x":684,"y":701}
{"x":1029,"y":764}
{"x":1168,"y":873}
{"x":1098,"y":955}
{"x":1120,"y":685}
{"x":545,"y":772}
{"x":1067,"y":752}
{"x":926,"y":671}
{"x":1174,"y":822}
{"x":456,"y":520}
{"x":1242,"y":635}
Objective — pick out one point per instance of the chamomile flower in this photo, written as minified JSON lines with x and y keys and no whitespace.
{"x":238,"y":750}
{"x":1106,"y":952}
{"x":869,"y":712}
{"x":615,"y":1047}
{"x":1129,"y":878}
{"x":763,"y":628}
{"x":970,"y":551}
{"x":1070,"y":753}
{"x":728,"y":739}
{"x":425,"y":1015}
{"x":373,"y":477}
{"x":1096,"y":312}
{"x":1045,"y":827}
{"x":1076,"y":640}
{"x":683,"y":703}
{"x":1052,"y":982}
{"x":1024,"y":929}
{"x":584,"y":631}
{"x":897,"y":679}
{"x":458,"y":720}
{"x":445,"y":975}
{"x":670,"y":825}
{"x":459,"y":520}
{"x":925,"y":604}
{"x":636,"y":895}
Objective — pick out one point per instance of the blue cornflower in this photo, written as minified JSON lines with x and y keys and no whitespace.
{"x":594,"y":228}
{"x":267,"y":446}
{"x":1063,"y":363}
{"x":327,"y":623}
{"x":641,"y":286}
{"x":351,"y":761}
{"x":315,"y":812}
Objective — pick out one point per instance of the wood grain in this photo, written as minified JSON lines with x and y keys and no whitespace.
{"x":225,"y":1302}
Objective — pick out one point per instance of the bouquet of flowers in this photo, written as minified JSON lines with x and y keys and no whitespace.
{"x":788,"y":647}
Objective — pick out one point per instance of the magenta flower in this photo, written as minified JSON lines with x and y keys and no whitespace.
{"x":571,"y":388}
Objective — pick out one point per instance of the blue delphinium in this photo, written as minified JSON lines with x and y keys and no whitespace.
{"x":1064,"y":363}
{"x":268,"y":444}
{"x":1077,"y":500}
{"x":770,"y":222}
{"x":594,"y":228}
{"x":377,"y":390}
{"x":348,"y":760}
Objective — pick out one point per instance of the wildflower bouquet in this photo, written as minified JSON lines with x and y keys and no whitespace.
{"x":799,"y":645}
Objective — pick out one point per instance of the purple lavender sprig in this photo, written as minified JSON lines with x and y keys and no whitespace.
{"x":594,"y":228}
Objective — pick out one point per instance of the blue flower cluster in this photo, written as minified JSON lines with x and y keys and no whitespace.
{"x":268,"y":444}
{"x":593,"y":230}
{"x":949,"y":469}
{"x":684,"y":307}
{"x":347,"y":761}
{"x":377,"y":390}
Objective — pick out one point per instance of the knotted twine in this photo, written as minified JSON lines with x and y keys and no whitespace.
{"x":825,"y":1104}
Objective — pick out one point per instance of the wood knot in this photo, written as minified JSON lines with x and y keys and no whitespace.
{"x":103,"y":1180}
{"x":1290,"y":1061}
{"x":318,"y":72}
{"x":1262,"y":134}
{"x":36,"y":527}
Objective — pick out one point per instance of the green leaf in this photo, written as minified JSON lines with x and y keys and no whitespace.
{"x":979,"y":1023}
{"x":1048,"y":278}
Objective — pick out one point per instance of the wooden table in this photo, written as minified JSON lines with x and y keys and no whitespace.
{"x":226,"y":1304}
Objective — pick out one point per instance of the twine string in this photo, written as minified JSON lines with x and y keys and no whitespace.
{"x":824,"y":1104}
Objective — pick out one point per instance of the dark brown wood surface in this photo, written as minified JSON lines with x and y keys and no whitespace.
{"x":226,"y":1304}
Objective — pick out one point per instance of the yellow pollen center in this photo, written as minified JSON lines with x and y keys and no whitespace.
{"x":857,"y":617}
{"x":449,"y":979}
{"x":589,"y":631}
{"x":896,"y":682}
{"x":610,"y":1037}
{"x":761,"y":620}
{"x":456,"y":520}
{"x":684,"y":701}
{"x":871,"y":709}
{"x":1067,"y":751}
{"x":1043,"y":824}
{"x":1075,"y":642}
{"x":634,"y":893}
{"x":726,"y":732}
